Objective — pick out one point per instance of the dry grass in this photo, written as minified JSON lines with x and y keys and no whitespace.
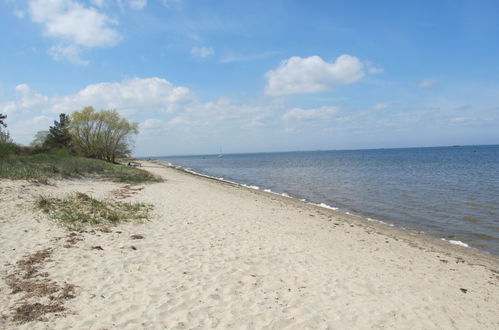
{"x":80,"y":210}
{"x":37,"y":288}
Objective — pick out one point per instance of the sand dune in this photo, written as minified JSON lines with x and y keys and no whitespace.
{"x":216,"y":255}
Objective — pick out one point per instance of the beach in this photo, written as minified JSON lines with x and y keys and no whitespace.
{"x":219,"y":255}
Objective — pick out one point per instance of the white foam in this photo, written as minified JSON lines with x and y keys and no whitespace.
{"x":285,"y":195}
{"x":251,"y":187}
{"x":381,"y":222}
{"x":455,"y":242}
{"x":324,"y":205}
{"x":267,"y":190}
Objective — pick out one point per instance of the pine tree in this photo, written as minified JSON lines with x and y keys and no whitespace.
{"x":59,"y":136}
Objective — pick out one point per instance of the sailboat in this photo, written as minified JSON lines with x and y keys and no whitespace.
{"x":220,"y":155}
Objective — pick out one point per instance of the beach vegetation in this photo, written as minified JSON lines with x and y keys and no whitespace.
{"x":79,"y":210}
{"x":41,"y":167}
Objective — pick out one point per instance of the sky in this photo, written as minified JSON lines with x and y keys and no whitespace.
{"x":257,"y":76}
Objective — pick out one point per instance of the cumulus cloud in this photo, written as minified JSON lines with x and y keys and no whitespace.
{"x":310,"y":114}
{"x":312,"y":75}
{"x":202,"y":52}
{"x":172,"y":107}
{"x":427,"y":83}
{"x":27,"y":99}
{"x":74,"y":27}
{"x":130,"y":96}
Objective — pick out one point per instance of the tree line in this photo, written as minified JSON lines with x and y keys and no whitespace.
{"x":96,"y":134}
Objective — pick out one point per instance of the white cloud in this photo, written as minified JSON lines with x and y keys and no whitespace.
{"x":312,"y":75}
{"x":29,"y":127}
{"x":28,"y":98}
{"x":202,"y":52}
{"x":74,"y":26}
{"x":137,"y":4}
{"x":68,"y":52}
{"x":131,"y":96}
{"x":169,"y":108}
{"x":310,"y":114}
{"x":427,"y":83}
{"x":380,"y":106}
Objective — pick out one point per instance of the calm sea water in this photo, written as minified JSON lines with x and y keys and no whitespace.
{"x":447,"y":192}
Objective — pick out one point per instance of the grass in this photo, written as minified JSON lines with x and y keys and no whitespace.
{"x":80,"y":210}
{"x":42,"y":167}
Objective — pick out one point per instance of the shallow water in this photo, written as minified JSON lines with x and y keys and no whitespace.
{"x":447,"y":192}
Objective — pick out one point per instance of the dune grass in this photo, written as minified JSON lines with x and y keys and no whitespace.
{"x":80,"y":210}
{"x":42,"y":167}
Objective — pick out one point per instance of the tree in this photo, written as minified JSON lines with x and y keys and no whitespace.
{"x":58,"y":136}
{"x":103,"y":135}
{"x":39,"y":139}
{"x":2,"y":120}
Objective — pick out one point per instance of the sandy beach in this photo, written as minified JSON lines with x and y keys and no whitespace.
{"x":217,"y":255}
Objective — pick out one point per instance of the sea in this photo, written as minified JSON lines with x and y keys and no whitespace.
{"x":451,"y":193}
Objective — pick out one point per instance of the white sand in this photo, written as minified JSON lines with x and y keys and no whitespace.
{"x":216,"y":255}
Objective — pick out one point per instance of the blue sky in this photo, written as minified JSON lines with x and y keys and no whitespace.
{"x":253,"y":76}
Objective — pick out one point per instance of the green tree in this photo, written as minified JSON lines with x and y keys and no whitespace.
{"x":58,"y":136}
{"x":102,"y":134}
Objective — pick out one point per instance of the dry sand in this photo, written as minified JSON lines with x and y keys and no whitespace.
{"x":216,"y":255}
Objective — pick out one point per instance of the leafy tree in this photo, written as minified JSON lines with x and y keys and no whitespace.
{"x":58,"y":136}
{"x":2,"y":120}
{"x":103,"y":134}
{"x":39,"y":139}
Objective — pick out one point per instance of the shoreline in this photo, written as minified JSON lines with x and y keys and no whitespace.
{"x":325,"y":206}
{"x":220,"y":255}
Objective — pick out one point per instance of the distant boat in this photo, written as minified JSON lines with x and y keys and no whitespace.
{"x":220,"y":155}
